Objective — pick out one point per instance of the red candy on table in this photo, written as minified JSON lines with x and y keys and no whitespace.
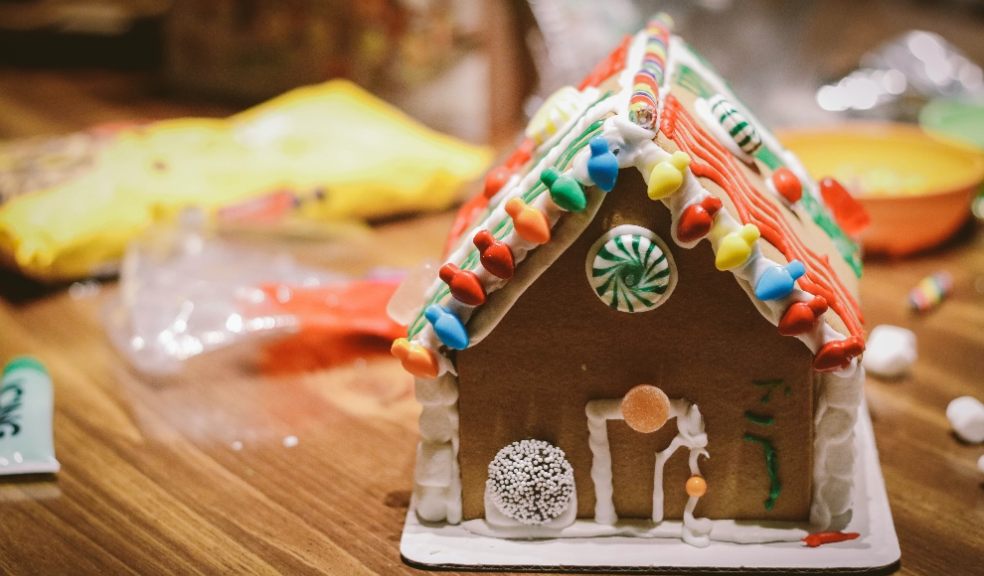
{"x":697,"y":219}
{"x":496,"y":256}
{"x":464,"y":284}
{"x":787,"y":184}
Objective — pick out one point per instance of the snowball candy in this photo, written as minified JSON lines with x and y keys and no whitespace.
{"x":696,"y":487}
{"x":531,"y":481}
{"x":890,"y":351}
{"x":645,"y":408}
{"x":966,"y":415}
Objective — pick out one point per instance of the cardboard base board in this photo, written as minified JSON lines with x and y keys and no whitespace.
{"x":446,"y":547}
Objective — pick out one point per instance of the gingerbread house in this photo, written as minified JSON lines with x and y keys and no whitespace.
{"x":646,"y":325}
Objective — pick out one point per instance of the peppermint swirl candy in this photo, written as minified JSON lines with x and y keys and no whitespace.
{"x":729,"y":125}
{"x":630,"y":269}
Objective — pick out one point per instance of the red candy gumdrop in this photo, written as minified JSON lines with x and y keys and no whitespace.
{"x":496,"y":257}
{"x":801,"y":317}
{"x":697,"y":219}
{"x":835,"y":355}
{"x":496,"y":179}
{"x":787,"y":184}
{"x":464,"y":284}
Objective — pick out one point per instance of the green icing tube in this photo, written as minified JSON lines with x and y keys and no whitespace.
{"x":26,"y":403}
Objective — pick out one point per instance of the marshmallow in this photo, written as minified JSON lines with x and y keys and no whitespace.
{"x":890,"y":351}
{"x":966,"y":415}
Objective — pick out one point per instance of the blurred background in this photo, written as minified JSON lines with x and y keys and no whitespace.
{"x":138,"y":137}
{"x":476,"y":68}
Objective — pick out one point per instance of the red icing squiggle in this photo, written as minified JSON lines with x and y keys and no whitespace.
{"x":609,"y":66}
{"x":712,"y":161}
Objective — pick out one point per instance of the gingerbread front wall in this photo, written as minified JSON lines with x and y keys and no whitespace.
{"x":559,"y":346}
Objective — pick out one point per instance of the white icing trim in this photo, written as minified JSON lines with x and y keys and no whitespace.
{"x":839,"y":393}
{"x":740,"y":532}
{"x":690,"y":434}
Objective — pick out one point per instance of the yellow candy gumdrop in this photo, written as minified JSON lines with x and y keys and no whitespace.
{"x":736,"y":247}
{"x":667,"y":176}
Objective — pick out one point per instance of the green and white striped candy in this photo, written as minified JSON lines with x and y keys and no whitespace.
{"x":742,"y":132}
{"x":630,"y":269}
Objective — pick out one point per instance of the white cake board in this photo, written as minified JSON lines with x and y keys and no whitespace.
{"x":447,"y":547}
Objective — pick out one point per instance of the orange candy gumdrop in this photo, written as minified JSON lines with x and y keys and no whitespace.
{"x":530,"y":223}
{"x":696,"y":486}
{"x":645,"y":408}
{"x":416,"y":359}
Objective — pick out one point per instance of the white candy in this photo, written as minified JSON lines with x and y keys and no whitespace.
{"x":980,"y":463}
{"x":890,"y":351}
{"x":405,"y":303}
{"x":966,"y":415}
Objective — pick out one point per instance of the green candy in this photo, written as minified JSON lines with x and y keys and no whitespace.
{"x":565,"y":191}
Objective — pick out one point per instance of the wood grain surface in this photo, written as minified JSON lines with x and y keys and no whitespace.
{"x":192,"y":474}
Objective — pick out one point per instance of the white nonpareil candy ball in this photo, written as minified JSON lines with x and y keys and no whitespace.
{"x":531,"y":481}
{"x":890,"y":351}
{"x":966,"y":415}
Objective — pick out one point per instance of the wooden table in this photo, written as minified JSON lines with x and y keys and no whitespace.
{"x":196,"y":473}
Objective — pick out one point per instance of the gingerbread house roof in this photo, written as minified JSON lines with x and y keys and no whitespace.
{"x":656,"y":106}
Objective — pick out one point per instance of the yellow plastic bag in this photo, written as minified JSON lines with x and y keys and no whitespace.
{"x":337,"y":150}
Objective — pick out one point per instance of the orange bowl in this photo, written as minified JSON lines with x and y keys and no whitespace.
{"x":917,"y":188}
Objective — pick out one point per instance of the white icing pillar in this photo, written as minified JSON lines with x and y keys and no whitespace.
{"x":833,"y":447}
{"x":599,"y":412}
{"x":437,"y":480}
{"x":690,"y":433}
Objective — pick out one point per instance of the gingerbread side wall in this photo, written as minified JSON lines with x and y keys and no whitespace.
{"x":560,"y":346}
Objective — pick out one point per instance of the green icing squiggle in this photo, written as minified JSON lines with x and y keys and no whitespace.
{"x":771,"y":465}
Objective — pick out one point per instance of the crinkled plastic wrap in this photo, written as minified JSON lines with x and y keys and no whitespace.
{"x":183,"y":293}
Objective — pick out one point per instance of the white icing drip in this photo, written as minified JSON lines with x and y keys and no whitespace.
{"x":833,"y":447}
{"x":690,"y":434}
{"x":599,"y":412}
{"x":437,"y":482}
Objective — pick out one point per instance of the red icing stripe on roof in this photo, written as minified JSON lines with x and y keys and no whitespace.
{"x":609,"y":66}
{"x":712,"y":161}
